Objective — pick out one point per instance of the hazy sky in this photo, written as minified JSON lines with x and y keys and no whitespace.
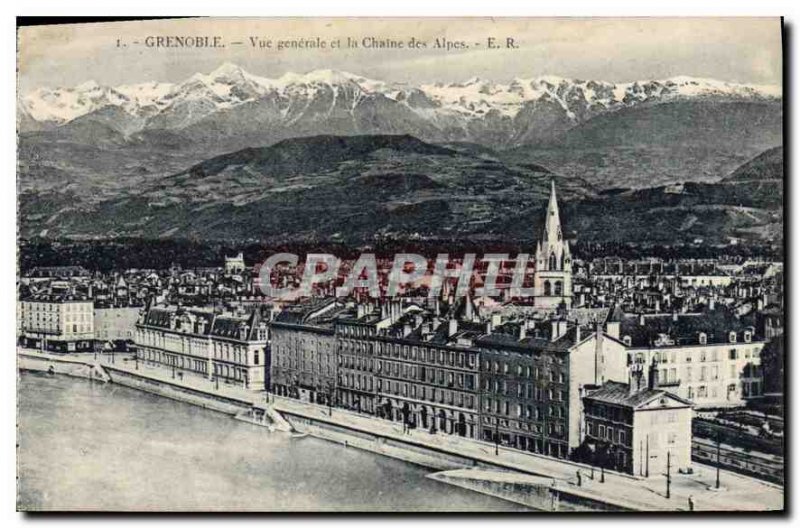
{"x":744,"y":50}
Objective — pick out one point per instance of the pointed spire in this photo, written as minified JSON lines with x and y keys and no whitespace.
{"x":552,"y":224}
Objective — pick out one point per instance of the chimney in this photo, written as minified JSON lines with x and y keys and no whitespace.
{"x":577,"y":334}
{"x":612,"y":329}
{"x":468,"y":311}
{"x":712,"y":304}
{"x":635,"y":378}
{"x":522,"y":332}
{"x":558,"y":328}
{"x":452,"y":328}
{"x":488,"y":328}
{"x":652,"y":379}
{"x":641,"y":319}
{"x":497,"y":320}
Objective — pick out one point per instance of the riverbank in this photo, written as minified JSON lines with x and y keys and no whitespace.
{"x":536,"y":481}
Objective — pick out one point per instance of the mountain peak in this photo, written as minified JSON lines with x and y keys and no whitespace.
{"x":168,"y":106}
{"x":325,"y":76}
{"x":227,"y":68}
{"x":87,"y":86}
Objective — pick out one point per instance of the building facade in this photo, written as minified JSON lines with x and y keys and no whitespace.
{"x":224,"y":348}
{"x":707,"y":359}
{"x":532,"y":378}
{"x":57,"y":323}
{"x":428,"y":377}
{"x":304,"y":358}
{"x":638,"y":429}
{"x":116,"y":324}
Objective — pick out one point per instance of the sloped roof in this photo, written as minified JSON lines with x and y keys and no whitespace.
{"x":617,"y":393}
{"x":685,"y":328}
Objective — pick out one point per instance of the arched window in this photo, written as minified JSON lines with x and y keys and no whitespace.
{"x":552,"y":261}
{"x":557,"y":288}
{"x":547,"y":287}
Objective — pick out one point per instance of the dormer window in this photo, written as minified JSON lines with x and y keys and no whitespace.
{"x":748,"y":336}
{"x":627,"y":340}
{"x":732,"y":337}
{"x":703,"y":338}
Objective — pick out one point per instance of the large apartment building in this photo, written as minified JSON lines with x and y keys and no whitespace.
{"x":304,"y":359}
{"x":56,"y":322}
{"x":225,"y":348}
{"x":712,"y":359}
{"x":532,"y":377}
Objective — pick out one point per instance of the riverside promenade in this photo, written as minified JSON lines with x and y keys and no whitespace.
{"x":737,"y":493}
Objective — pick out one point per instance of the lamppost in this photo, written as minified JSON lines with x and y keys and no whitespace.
{"x":330,"y":398}
{"x":719,"y":441}
{"x":668,"y":475}
{"x":497,"y":436}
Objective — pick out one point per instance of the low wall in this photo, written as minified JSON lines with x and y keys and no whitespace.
{"x":422,"y":456}
{"x":538,"y":493}
{"x":64,"y":366}
{"x":177,"y":392}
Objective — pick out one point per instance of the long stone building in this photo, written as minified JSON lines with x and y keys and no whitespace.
{"x":225,"y":348}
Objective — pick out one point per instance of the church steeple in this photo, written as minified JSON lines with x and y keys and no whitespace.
{"x":553,"y":276}
{"x":552,"y":223}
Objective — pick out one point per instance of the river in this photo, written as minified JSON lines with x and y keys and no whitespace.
{"x":90,"y":446}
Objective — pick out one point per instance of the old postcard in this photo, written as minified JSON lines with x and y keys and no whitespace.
{"x":401,"y":265}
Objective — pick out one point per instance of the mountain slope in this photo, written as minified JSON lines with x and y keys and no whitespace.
{"x":767,"y":166}
{"x":359,"y":188}
{"x":660,"y":143}
{"x":355,"y":187}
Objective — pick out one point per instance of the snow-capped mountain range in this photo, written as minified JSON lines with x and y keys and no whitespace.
{"x":324,"y":93}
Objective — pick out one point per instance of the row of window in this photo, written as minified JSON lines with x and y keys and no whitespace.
{"x":56,"y":307}
{"x":432,"y":394}
{"x":529,"y":412}
{"x":607,"y":433}
{"x":196,"y":347}
{"x":429,"y":355}
{"x":553,"y":429}
{"x":704,"y":355}
{"x":424,"y":374}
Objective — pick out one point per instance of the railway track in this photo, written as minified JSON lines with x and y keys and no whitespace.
{"x":759,"y":465}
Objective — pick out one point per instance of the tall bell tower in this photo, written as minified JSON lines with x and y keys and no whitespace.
{"x":552,"y":279}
